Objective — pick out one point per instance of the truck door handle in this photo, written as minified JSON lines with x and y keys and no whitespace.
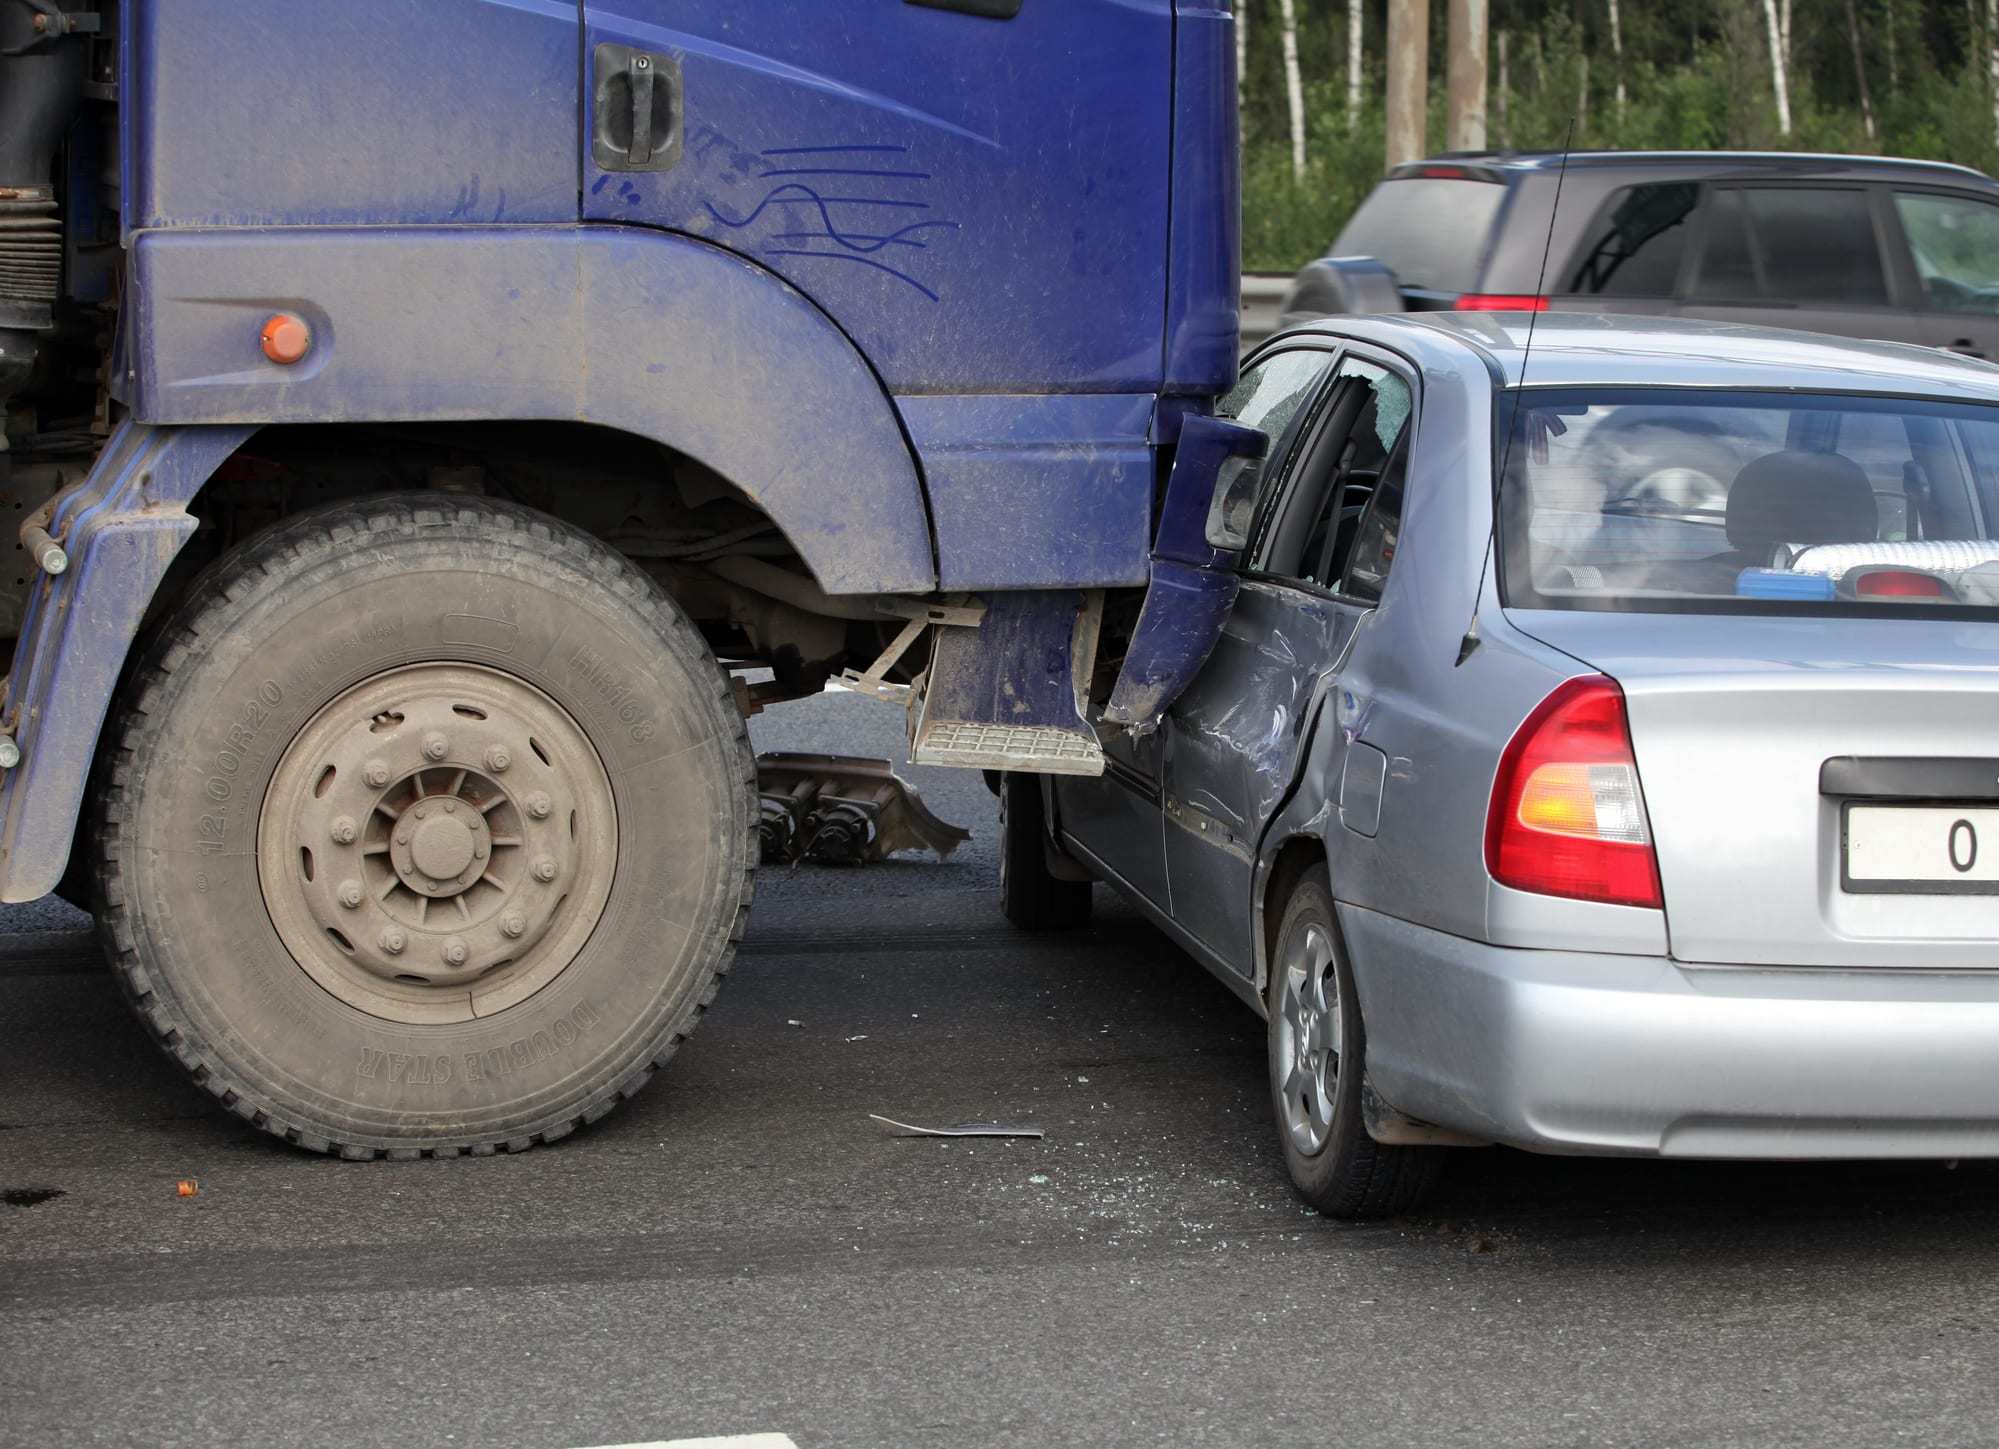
{"x":637,"y":104}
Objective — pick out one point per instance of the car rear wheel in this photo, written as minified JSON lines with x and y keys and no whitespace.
{"x":427,"y":829}
{"x":1032,"y":896}
{"x":1317,"y":1048}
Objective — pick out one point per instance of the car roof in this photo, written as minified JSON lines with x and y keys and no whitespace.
{"x":1719,"y":163}
{"x":1577,"y":349}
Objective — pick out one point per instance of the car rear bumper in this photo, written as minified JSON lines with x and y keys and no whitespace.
{"x":1562,"y":1051}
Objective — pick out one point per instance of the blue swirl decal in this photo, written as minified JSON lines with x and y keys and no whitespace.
{"x":838,"y":234}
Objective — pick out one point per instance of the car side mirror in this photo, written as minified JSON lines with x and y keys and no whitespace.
{"x":1211,"y":496}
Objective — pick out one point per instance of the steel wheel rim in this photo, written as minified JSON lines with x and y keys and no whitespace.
{"x":1305,"y":1061}
{"x":437,"y":843}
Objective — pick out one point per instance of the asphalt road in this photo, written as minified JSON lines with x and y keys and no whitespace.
{"x":740,"y":1250}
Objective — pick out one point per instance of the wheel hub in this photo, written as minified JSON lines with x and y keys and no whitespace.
{"x":437,"y":843}
{"x":1306,"y":1060}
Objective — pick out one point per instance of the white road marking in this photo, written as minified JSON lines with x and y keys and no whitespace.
{"x":724,"y":1441}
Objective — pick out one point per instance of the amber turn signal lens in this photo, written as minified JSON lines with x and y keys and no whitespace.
{"x":285,"y":338}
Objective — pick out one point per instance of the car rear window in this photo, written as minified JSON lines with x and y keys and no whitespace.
{"x":1430,"y":231}
{"x":1661,"y":500}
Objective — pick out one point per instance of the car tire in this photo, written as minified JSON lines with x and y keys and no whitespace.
{"x":1033,"y":897}
{"x":1317,"y":1047}
{"x":427,"y":829}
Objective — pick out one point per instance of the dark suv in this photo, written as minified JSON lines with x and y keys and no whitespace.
{"x":1860,"y":246}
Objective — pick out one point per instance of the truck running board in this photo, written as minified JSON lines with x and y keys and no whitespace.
{"x":1009,"y":694}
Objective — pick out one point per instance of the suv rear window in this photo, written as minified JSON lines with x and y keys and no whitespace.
{"x":1791,"y":244}
{"x":1634,"y":246}
{"x":1659,"y":500}
{"x":1430,"y":231}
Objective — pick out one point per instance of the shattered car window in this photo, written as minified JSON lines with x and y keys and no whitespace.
{"x":1660,"y":500}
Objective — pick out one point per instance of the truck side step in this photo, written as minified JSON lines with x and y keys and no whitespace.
{"x":1009,"y":695}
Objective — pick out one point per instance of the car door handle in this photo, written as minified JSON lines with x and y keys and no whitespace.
{"x":1965,"y":347}
{"x":637,"y":100}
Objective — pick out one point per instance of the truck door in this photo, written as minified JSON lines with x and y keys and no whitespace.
{"x":976,"y":190}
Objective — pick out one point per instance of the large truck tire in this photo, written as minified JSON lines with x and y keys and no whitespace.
{"x":428,"y":829}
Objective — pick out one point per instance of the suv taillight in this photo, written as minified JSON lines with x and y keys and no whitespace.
{"x":1500,"y":302}
{"x":1567,"y":816}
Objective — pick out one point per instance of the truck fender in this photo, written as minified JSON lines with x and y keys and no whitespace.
{"x":120,"y":528}
{"x":649,"y":332}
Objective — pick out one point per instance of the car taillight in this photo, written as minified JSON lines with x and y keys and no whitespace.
{"x":1567,"y":816}
{"x":1897,"y":584}
{"x":1500,"y":302}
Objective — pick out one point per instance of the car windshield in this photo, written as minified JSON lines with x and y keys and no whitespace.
{"x":1430,"y":231}
{"x":1675,"y":501}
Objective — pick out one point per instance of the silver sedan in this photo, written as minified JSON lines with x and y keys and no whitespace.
{"x":1596,"y":750}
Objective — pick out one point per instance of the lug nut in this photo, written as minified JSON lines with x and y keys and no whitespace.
{"x":514,"y":923}
{"x":539,"y":804}
{"x":450,"y":807}
{"x":350,"y":893}
{"x":478,"y":852}
{"x":392,"y":941}
{"x":497,"y":758}
{"x":544,"y":870}
{"x":436,"y":746}
{"x":402,"y":837}
{"x":375,"y":773}
{"x":455,"y":952}
{"x":343,"y":830}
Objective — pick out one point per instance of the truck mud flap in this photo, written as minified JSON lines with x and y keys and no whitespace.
{"x":119,"y":529}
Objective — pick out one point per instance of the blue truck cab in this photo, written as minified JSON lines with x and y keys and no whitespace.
{"x":425,"y":415}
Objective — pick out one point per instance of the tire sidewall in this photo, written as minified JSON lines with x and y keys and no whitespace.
{"x":487,"y":586}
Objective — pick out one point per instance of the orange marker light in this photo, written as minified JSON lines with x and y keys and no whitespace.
{"x":285,"y":338}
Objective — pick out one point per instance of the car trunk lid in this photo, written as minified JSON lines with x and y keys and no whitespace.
{"x":1768,"y":854}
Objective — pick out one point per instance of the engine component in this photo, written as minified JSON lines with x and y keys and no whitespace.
{"x":841,"y":810}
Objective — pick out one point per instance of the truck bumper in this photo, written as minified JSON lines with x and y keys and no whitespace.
{"x":121,"y":528}
{"x":1567,"y":1052}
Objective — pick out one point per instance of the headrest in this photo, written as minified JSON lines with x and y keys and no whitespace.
{"x":1801,"y":498}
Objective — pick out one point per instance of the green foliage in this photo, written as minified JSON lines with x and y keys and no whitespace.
{"x":1696,"y":77}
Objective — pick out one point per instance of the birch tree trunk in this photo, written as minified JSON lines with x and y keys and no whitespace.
{"x":1294,"y":85}
{"x":1860,"y":70}
{"x":1505,"y":85}
{"x":1617,"y":55}
{"x":1894,"y":64}
{"x":1778,"y":66}
{"x":1353,"y":62}
{"x":1241,"y":47}
{"x":1582,"y":96}
{"x":1784,"y":32}
{"x":1992,"y":57}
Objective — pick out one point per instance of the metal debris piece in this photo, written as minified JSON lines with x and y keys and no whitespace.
{"x":963,"y":1129}
{"x":842,"y":810}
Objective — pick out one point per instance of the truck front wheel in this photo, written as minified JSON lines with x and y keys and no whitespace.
{"x":427,"y":829}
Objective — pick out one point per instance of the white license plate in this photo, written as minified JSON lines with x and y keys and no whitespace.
{"x":1922,"y":850}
